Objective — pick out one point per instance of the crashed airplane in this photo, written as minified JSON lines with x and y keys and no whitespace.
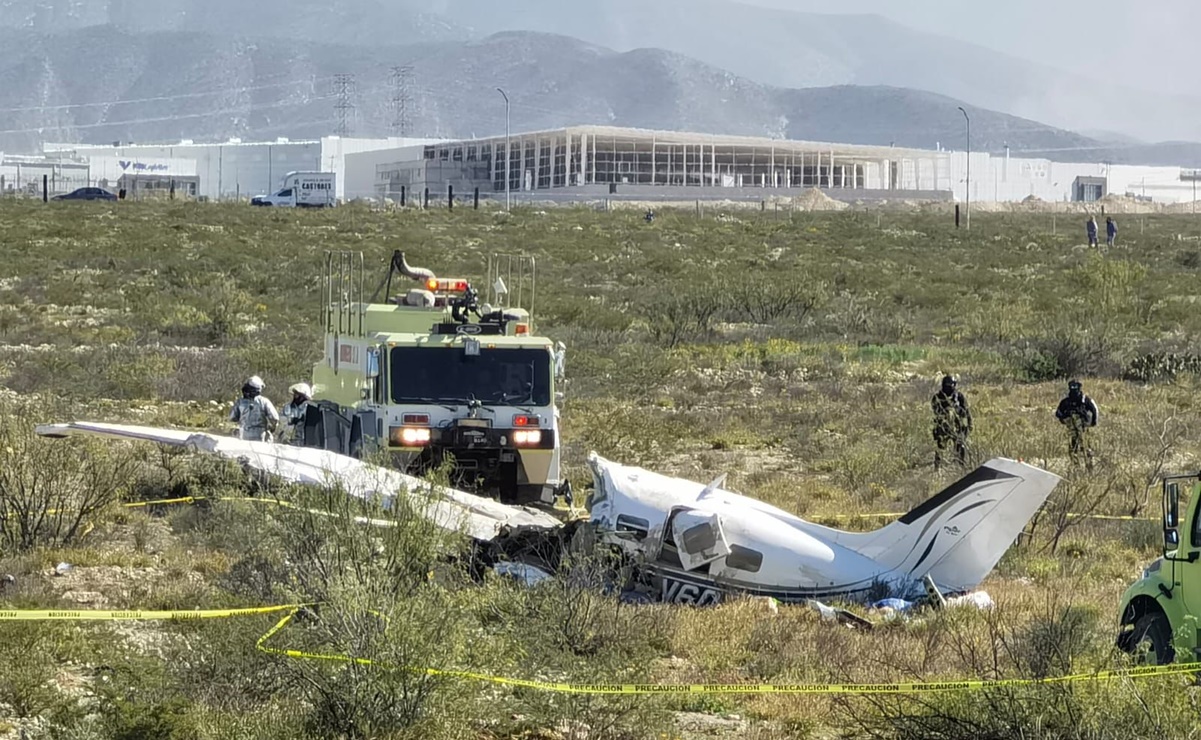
{"x":698,"y":543}
{"x":688,"y":543}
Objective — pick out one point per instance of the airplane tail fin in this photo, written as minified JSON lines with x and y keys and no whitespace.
{"x":958,"y":535}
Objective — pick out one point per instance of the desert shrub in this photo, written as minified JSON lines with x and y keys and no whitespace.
{"x":1189,"y":259}
{"x":27,"y":667}
{"x":1162,"y":366}
{"x":767,"y":298}
{"x":134,"y":374}
{"x":685,"y":314}
{"x":864,"y":317}
{"x":574,"y":627}
{"x":1064,"y":356}
{"x":1030,"y":641}
{"x":1054,"y":643}
{"x":51,"y":490}
{"x":377,"y":603}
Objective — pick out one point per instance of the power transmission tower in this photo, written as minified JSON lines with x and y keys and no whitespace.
{"x":344,"y":106}
{"x":402,"y":101}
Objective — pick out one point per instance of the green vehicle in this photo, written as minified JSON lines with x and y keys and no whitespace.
{"x":435,"y":373}
{"x":1161,"y":612}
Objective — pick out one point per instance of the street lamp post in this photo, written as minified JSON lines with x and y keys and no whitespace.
{"x":968,"y":189}
{"x":508,"y":154}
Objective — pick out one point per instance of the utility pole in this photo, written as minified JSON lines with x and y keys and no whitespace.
{"x":508,"y":154}
{"x":968,"y":189}
{"x":401,"y":99}
{"x":344,"y":107}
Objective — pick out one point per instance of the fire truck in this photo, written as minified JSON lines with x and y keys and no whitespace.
{"x":435,"y":376}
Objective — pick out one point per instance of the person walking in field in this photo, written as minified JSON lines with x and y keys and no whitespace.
{"x":1111,"y":230}
{"x":1091,"y":227}
{"x":1078,"y":413}
{"x":952,"y":421}
{"x":254,"y":413}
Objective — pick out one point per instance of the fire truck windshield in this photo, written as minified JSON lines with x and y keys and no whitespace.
{"x":495,"y":377}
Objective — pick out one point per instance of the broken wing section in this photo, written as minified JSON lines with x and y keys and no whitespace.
{"x":478,"y":517}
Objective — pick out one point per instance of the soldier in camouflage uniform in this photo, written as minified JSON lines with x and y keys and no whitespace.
{"x":254,"y":413}
{"x":1078,"y":413}
{"x":952,"y":421}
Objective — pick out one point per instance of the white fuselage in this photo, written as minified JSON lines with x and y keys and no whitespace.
{"x":781,"y":555}
{"x":699,"y":542}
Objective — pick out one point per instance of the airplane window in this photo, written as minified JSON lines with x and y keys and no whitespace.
{"x":699,"y":538}
{"x":744,"y":558}
{"x":633,"y":524}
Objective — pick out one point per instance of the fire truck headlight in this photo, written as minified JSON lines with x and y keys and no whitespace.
{"x":527,"y":437}
{"x":409,"y":436}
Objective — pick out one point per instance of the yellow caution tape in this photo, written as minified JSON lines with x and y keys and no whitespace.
{"x":736,"y":688}
{"x":913,"y":687}
{"x":104,"y":615}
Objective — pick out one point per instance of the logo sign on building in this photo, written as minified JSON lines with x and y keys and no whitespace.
{"x":142,"y":167}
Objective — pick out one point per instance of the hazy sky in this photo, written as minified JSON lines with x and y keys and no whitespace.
{"x":1145,"y":44}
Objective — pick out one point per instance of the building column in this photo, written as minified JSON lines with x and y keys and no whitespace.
{"x":654,"y":172}
{"x":567,"y":162}
{"x":537,"y":160}
{"x":583,"y":159}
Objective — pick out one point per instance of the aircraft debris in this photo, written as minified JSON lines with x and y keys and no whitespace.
{"x":842,"y":616}
{"x":688,"y":543}
{"x":698,"y":543}
{"x":481,"y":518}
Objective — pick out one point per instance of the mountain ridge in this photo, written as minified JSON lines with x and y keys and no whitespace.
{"x":264,"y":88}
{"x":771,"y":46}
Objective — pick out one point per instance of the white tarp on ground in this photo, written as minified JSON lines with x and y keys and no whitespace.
{"x":452,"y":509}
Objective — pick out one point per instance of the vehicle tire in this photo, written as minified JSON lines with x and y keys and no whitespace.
{"x":1151,"y":640}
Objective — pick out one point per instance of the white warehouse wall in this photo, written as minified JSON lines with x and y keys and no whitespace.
{"x":361,"y":166}
{"x":226,"y":170}
{"x":244,"y":169}
{"x":335,"y":151}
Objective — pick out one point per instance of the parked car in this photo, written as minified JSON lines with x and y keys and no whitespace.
{"x":87,"y":194}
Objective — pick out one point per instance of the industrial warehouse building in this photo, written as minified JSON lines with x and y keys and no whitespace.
{"x":615,"y":161}
{"x":607,"y":162}
{"x":587,"y":163}
{"x":230,"y":169}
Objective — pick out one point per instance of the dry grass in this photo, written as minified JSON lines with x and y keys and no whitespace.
{"x":814,"y":398}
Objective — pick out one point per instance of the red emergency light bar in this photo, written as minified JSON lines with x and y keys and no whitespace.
{"x":446,"y":285}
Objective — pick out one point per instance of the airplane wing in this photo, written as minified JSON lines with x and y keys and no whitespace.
{"x":476,"y":516}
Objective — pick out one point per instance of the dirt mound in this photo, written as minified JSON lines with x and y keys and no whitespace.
{"x":1115,"y":203}
{"x":815,"y":200}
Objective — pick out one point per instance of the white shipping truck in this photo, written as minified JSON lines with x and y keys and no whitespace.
{"x":301,"y":190}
